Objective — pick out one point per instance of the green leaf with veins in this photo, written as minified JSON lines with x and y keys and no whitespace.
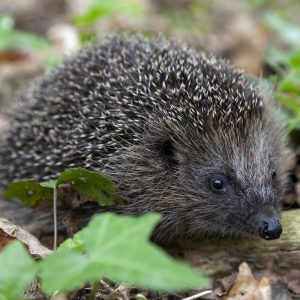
{"x":17,"y":271}
{"x":117,"y":247}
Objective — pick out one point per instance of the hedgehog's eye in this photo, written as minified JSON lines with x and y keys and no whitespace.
{"x":218,"y":184}
{"x":274,"y":174}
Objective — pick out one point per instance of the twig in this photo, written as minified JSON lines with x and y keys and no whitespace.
{"x":198,"y":295}
{"x":106,"y":286}
{"x":55,"y":217}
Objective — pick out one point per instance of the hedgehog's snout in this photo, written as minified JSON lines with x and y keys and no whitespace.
{"x":269,"y":227}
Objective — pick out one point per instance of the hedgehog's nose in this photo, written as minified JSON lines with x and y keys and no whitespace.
{"x":269,"y":227}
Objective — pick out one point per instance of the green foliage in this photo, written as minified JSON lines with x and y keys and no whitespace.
{"x":289,"y":34}
{"x":17,"y":271}
{"x":11,"y":38}
{"x":51,"y":184}
{"x":84,"y":182}
{"x":287,"y":31}
{"x":98,"y":9}
{"x":288,"y":90}
{"x":90,"y":184}
{"x":286,"y":63}
{"x":111,"y":246}
{"x":116,"y":247}
{"x":187,"y":17}
{"x":28,"y":191}
{"x":259,"y":3}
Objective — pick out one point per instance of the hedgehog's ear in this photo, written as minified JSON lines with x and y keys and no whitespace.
{"x":167,"y":151}
{"x":167,"y":147}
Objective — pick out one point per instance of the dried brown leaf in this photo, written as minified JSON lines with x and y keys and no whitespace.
{"x":10,"y":232}
{"x":247,"y":287}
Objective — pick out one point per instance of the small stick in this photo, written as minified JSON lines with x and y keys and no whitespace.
{"x":198,"y":295}
{"x":55,"y":217}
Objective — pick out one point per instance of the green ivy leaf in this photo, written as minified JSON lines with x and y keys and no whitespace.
{"x":130,"y":256}
{"x":117,"y":247}
{"x":17,"y":271}
{"x":90,"y":184}
{"x":75,"y":243}
{"x":65,"y":270}
{"x":28,"y":191}
{"x":49,"y":184}
{"x":84,"y":182}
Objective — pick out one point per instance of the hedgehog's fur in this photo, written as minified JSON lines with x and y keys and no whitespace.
{"x":160,"y":120}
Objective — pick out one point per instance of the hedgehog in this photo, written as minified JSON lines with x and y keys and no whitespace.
{"x":180,"y":133}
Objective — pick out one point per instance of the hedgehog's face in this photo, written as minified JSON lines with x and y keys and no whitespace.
{"x":230,"y":183}
{"x":219,"y":180}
